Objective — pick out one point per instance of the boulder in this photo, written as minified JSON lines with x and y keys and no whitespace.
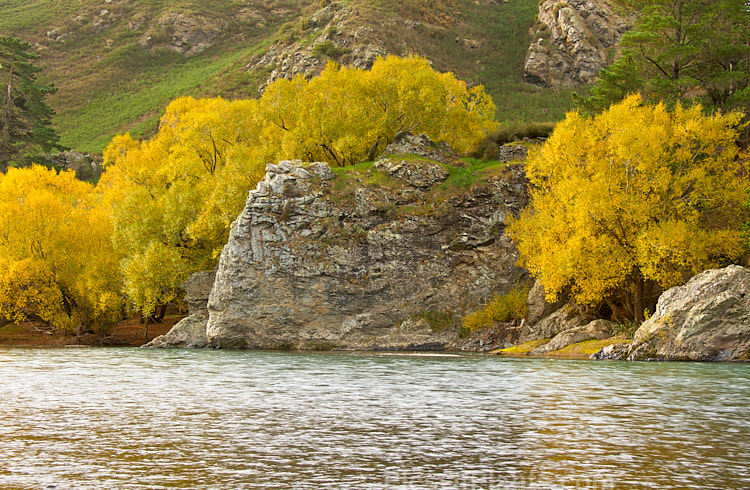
{"x":86,"y":166}
{"x":566,"y":318}
{"x":597,"y":329}
{"x":510,"y":153}
{"x":707,"y":319}
{"x":612,"y":352}
{"x":190,"y":332}
{"x":538,"y":306}
{"x":197,"y":289}
{"x":319,"y":261}
{"x":416,"y":173}
{"x":191,"y":34}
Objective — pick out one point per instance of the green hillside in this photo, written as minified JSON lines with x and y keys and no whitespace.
{"x":116,"y":64}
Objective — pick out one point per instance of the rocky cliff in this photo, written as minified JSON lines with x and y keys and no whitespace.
{"x":389,"y":255}
{"x":573,"y":40}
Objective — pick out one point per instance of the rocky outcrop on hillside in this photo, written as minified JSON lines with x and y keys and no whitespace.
{"x":332,"y":39}
{"x":86,"y":166}
{"x":380,"y":258}
{"x":188,"y":35}
{"x":707,"y":319}
{"x":573,"y":40}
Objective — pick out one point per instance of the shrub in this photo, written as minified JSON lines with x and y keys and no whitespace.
{"x":509,"y":132}
{"x":512,"y":306}
{"x":329,"y":49}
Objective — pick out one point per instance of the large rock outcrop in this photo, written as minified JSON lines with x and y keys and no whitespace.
{"x":573,"y":40}
{"x":707,"y":319}
{"x":374,"y":258}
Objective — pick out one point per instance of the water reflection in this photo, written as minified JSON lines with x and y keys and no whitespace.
{"x":128,"y":418}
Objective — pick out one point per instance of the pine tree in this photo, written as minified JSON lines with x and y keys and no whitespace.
{"x":26,"y":132}
{"x":681,"y":50}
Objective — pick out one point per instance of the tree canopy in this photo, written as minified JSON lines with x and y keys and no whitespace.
{"x":56,"y":252}
{"x":681,"y":50}
{"x":633,"y":201}
{"x":26,"y":132}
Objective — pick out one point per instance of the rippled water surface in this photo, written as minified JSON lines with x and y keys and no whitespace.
{"x":131,"y":418}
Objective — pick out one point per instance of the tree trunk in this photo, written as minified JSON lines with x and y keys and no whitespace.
{"x":638,"y":294}
{"x":5,"y":136}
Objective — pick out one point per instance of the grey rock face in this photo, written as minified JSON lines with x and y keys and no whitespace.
{"x":327,"y":26}
{"x":86,"y":166}
{"x":190,"y":331}
{"x":574,"y":39}
{"x":612,"y":352}
{"x":316,"y":261}
{"x":509,"y":153}
{"x":538,"y":306}
{"x":565,"y":318}
{"x":190,"y":35}
{"x":707,"y":319}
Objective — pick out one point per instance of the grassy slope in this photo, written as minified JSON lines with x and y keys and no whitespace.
{"x":107,"y":83}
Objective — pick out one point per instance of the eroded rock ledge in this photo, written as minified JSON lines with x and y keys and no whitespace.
{"x":379,"y":257}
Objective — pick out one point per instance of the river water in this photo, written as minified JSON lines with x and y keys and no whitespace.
{"x":133,"y":418}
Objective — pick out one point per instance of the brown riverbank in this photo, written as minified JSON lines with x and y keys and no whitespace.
{"x":128,"y":333}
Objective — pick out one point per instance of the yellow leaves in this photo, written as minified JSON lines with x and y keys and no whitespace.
{"x":636,"y":192}
{"x":345,"y":113}
{"x":670,"y":252}
{"x":511,"y":306}
{"x":56,"y":249}
{"x":28,"y":286}
{"x":149,"y":276}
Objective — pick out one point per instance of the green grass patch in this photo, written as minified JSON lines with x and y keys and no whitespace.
{"x":107,"y":83}
{"x":473,"y":173}
{"x":120,"y":111}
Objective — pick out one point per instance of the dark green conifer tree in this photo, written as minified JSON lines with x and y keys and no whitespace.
{"x":26,"y":132}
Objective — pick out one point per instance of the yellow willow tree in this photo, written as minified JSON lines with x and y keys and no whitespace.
{"x":633,"y":201}
{"x":347,"y":115}
{"x":174,"y":196}
{"x":56,"y":257}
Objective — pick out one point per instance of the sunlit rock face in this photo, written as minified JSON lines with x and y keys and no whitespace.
{"x":378,"y":258}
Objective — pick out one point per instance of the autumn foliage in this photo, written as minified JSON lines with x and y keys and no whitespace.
{"x":56,"y":253}
{"x":633,"y":201}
